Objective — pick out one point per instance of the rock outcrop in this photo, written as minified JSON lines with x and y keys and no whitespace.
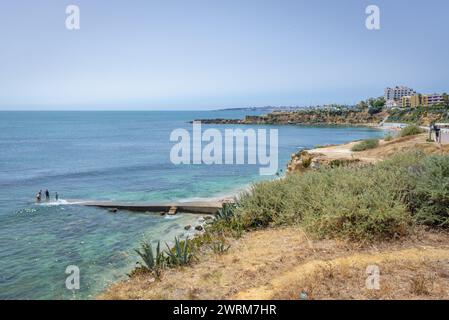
{"x":307,"y":117}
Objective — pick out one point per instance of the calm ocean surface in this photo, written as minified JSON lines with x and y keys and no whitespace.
{"x":106,"y":155}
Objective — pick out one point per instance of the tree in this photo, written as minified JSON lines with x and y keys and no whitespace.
{"x":446,"y":99}
{"x":375,"y":109}
{"x":379,"y":102}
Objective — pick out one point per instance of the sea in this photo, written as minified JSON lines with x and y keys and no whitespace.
{"x":105,"y":155}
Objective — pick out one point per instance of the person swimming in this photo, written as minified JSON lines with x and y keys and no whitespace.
{"x":47,"y":195}
{"x":56,"y":196}
{"x":39,"y":196}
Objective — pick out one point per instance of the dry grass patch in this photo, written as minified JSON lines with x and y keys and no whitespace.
{"x":282,"y":262}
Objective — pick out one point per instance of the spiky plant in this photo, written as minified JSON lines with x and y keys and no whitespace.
{"x":154,"y":264}
{"x":180,"y":254}
{"x":220,"y":247}
{"x":226,"y":212}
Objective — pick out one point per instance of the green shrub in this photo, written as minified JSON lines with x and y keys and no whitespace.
{"x":262,"y":204}
{"x":365,"y":145}
{"x":429,"y":199}
{"x":388,"y":137}
{"x":410,"y":131}
{"x":375,"y":109}
{"x":226,"y":212}
{"x":364,"y":203}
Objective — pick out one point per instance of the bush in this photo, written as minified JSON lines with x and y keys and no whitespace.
{"x":226,"y":212}
{"x":410,"y":131}
{"x":262,"y":204}
{"x":365,"y":145}
{"x":429,"y":199}
{"x":388,"y":137}
{"x":372,"y":202}
{"x":375,"y":109}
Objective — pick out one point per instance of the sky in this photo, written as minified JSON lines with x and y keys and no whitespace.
{"x":209,"y":54}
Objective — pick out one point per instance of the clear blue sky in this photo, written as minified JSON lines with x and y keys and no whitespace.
{"x":172,"y":55}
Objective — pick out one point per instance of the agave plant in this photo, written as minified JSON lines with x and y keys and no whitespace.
{"x":181,"y":253}
{"x":226,"y":212}
{"x":220,"y":247}
{"x":153,"y":263}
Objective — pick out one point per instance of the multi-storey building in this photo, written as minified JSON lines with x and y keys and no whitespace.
{"x":406,"y":102}
{"x":398,"y":92}
{"x":424,"y":100}
{"x":433,"y":99}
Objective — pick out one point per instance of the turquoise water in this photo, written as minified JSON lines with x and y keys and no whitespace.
{"x":106,"y":155}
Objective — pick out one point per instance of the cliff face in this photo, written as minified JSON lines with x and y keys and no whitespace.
{"x":318,"y":117}
{"x":420,"y":115}
{"x":309,"y":117}
{"x":342,"y":155}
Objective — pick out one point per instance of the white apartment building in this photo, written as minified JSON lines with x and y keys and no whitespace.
{"x":398,"y":92}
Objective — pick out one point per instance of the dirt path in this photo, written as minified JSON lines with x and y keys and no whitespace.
{"x":384,"y":150}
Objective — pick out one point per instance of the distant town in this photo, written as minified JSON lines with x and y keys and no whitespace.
{"x":394,"y":97}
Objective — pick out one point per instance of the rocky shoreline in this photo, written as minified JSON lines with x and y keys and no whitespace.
{"x":307,"y":117}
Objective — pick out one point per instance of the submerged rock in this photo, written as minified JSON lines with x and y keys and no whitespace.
{"x":199,"y":228}
{"x":188,"y":227}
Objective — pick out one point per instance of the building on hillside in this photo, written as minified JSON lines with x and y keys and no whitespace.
{"x":406,"y":101}
{"x":398,"y":92}
{"x":424,"y":100}
{"x":433,"y":99}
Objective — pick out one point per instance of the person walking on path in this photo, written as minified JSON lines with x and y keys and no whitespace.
{"x":437,"y":133}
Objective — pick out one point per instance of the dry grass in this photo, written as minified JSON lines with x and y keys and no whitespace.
{"x":386,"y":149}
{"x":281,"y":263}
{"x":405,"y":274}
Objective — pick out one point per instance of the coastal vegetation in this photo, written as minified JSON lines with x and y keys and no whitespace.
{"x":420,"y":115}
{"x":384,"y":201}
{"x":410,"y":131}
{"x":372,"y":202}
{"x":366,"y":144}
{"x":155,"y":262}
{"x":332,"y":213}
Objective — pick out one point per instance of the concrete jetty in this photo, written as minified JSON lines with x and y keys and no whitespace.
{"x":200,"y":207}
